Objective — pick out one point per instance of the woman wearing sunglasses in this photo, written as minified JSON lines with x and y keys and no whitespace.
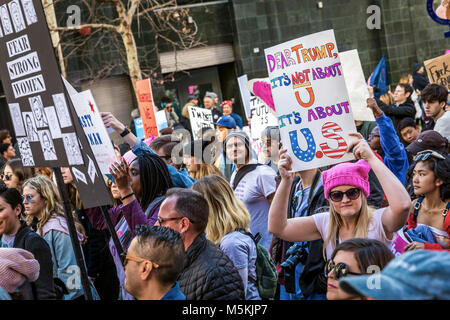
{"x":15,"y":174}
{"x":346,"y":185}
{"x":354,"y":257}
{"x":429,"y":221}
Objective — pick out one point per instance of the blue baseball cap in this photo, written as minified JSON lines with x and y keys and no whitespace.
{"x":226,"y":121}
{"x":415,"y":275}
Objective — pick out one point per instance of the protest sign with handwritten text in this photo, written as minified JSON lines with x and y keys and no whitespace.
{"x":311,"y":100}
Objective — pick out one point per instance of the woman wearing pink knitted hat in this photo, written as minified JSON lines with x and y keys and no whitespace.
{"x":18,"y":268}
{"x":346,"y":185}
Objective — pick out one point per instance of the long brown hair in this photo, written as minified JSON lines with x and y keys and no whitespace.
{"x":48,"y":191}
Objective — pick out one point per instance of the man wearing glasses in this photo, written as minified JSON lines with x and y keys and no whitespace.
{"x":154,"y":260}
{"x":208,"y":273}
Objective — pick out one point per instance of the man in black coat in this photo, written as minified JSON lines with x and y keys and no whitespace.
{"x":208,"y":273}
{"x":403,"y":106}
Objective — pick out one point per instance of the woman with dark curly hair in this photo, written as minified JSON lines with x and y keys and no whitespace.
{"x":429,"y":221}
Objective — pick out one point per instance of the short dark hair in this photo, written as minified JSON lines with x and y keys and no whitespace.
{"x":4,"y":147}
{"x":192,"y":205}
{"x":163,"y":246}
{"x":368,"y":252}
{"x":406,"y":122}
{"x":407,"y":88}
{"x":166,"y":142}
{"x":11,"y":196}
{"x":434,"y":92}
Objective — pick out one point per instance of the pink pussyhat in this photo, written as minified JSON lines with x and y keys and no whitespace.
{"x":129,"y":156}
{"x":352,"y":174}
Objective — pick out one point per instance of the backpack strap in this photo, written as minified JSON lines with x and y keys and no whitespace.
{"x":314,"y":185}
{"x":447,"y":208}
{"x":417,"y":207}
{"x":242,"y":172}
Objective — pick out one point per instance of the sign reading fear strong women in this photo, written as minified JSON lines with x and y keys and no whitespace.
{"x":311,"y":100}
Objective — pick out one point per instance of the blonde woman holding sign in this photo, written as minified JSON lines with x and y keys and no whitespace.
{"x":347,"y":187}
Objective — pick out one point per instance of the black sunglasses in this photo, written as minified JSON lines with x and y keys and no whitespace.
{"x":425,"y":154}
{"x":6,"y":177}
{"x":352,"y":194}
{"x":340,"y":269}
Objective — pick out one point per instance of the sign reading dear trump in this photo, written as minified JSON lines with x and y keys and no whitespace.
{"x":311,"y":100}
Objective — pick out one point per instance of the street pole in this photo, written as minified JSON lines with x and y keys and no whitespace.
{"x":113,"y":233}
{"x":73,"y":234}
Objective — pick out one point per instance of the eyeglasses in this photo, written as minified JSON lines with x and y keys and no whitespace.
{"x":425,"y":154}
{"x":162,"y":220}
{"x":352,"y":194}
{"x":29,"y":199}
{"x":6,"y":177}
{"x":137,"y":259}
{"x":340,"y":269}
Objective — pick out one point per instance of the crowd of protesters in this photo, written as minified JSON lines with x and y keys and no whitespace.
{"x":197,"y":218}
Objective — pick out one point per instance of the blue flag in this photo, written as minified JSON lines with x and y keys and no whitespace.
{"x":379,"y":78}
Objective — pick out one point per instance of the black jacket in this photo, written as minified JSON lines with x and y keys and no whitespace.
{"x":29,"y":240}
{"x":419,"y":81}
{"x":397,"y":113}
{"x":209,"y":274}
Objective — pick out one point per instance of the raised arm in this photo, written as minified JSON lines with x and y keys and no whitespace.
{"x":139,"y":148}
{"x":395,"y":157}
{"x":395,"y":216}
{"x":294,"y":229}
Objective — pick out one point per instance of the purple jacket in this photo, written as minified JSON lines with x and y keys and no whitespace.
{"x":132,"y":212}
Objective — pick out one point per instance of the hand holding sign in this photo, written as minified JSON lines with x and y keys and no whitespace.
{"x":360,"y":148}
{"x":111,"y":122}
{"x":285,"y":166}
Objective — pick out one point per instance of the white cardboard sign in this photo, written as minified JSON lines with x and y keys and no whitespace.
{"x":311,"y":100}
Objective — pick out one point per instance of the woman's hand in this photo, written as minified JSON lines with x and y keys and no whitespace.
{"x":119,"y":171}
{"x":110,"y":121}
{"x":414,"y":246}
{"x":285,"y":165}
{"x":360,"y":147}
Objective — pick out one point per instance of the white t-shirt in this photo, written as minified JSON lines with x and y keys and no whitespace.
{"x":376,"y":230}
{"x":443,"y":125}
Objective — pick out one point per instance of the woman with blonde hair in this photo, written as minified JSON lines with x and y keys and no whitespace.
{"x":346,"y":185}
{"x":198,"y":161}
{"x":45,"y":215}
{"x":228,"y":223}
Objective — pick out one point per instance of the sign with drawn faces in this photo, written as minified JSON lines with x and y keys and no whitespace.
{"x":45,"y":123}
{"x":33,"y":87}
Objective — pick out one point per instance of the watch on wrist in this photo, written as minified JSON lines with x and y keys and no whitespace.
{"x":124,"y":132}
